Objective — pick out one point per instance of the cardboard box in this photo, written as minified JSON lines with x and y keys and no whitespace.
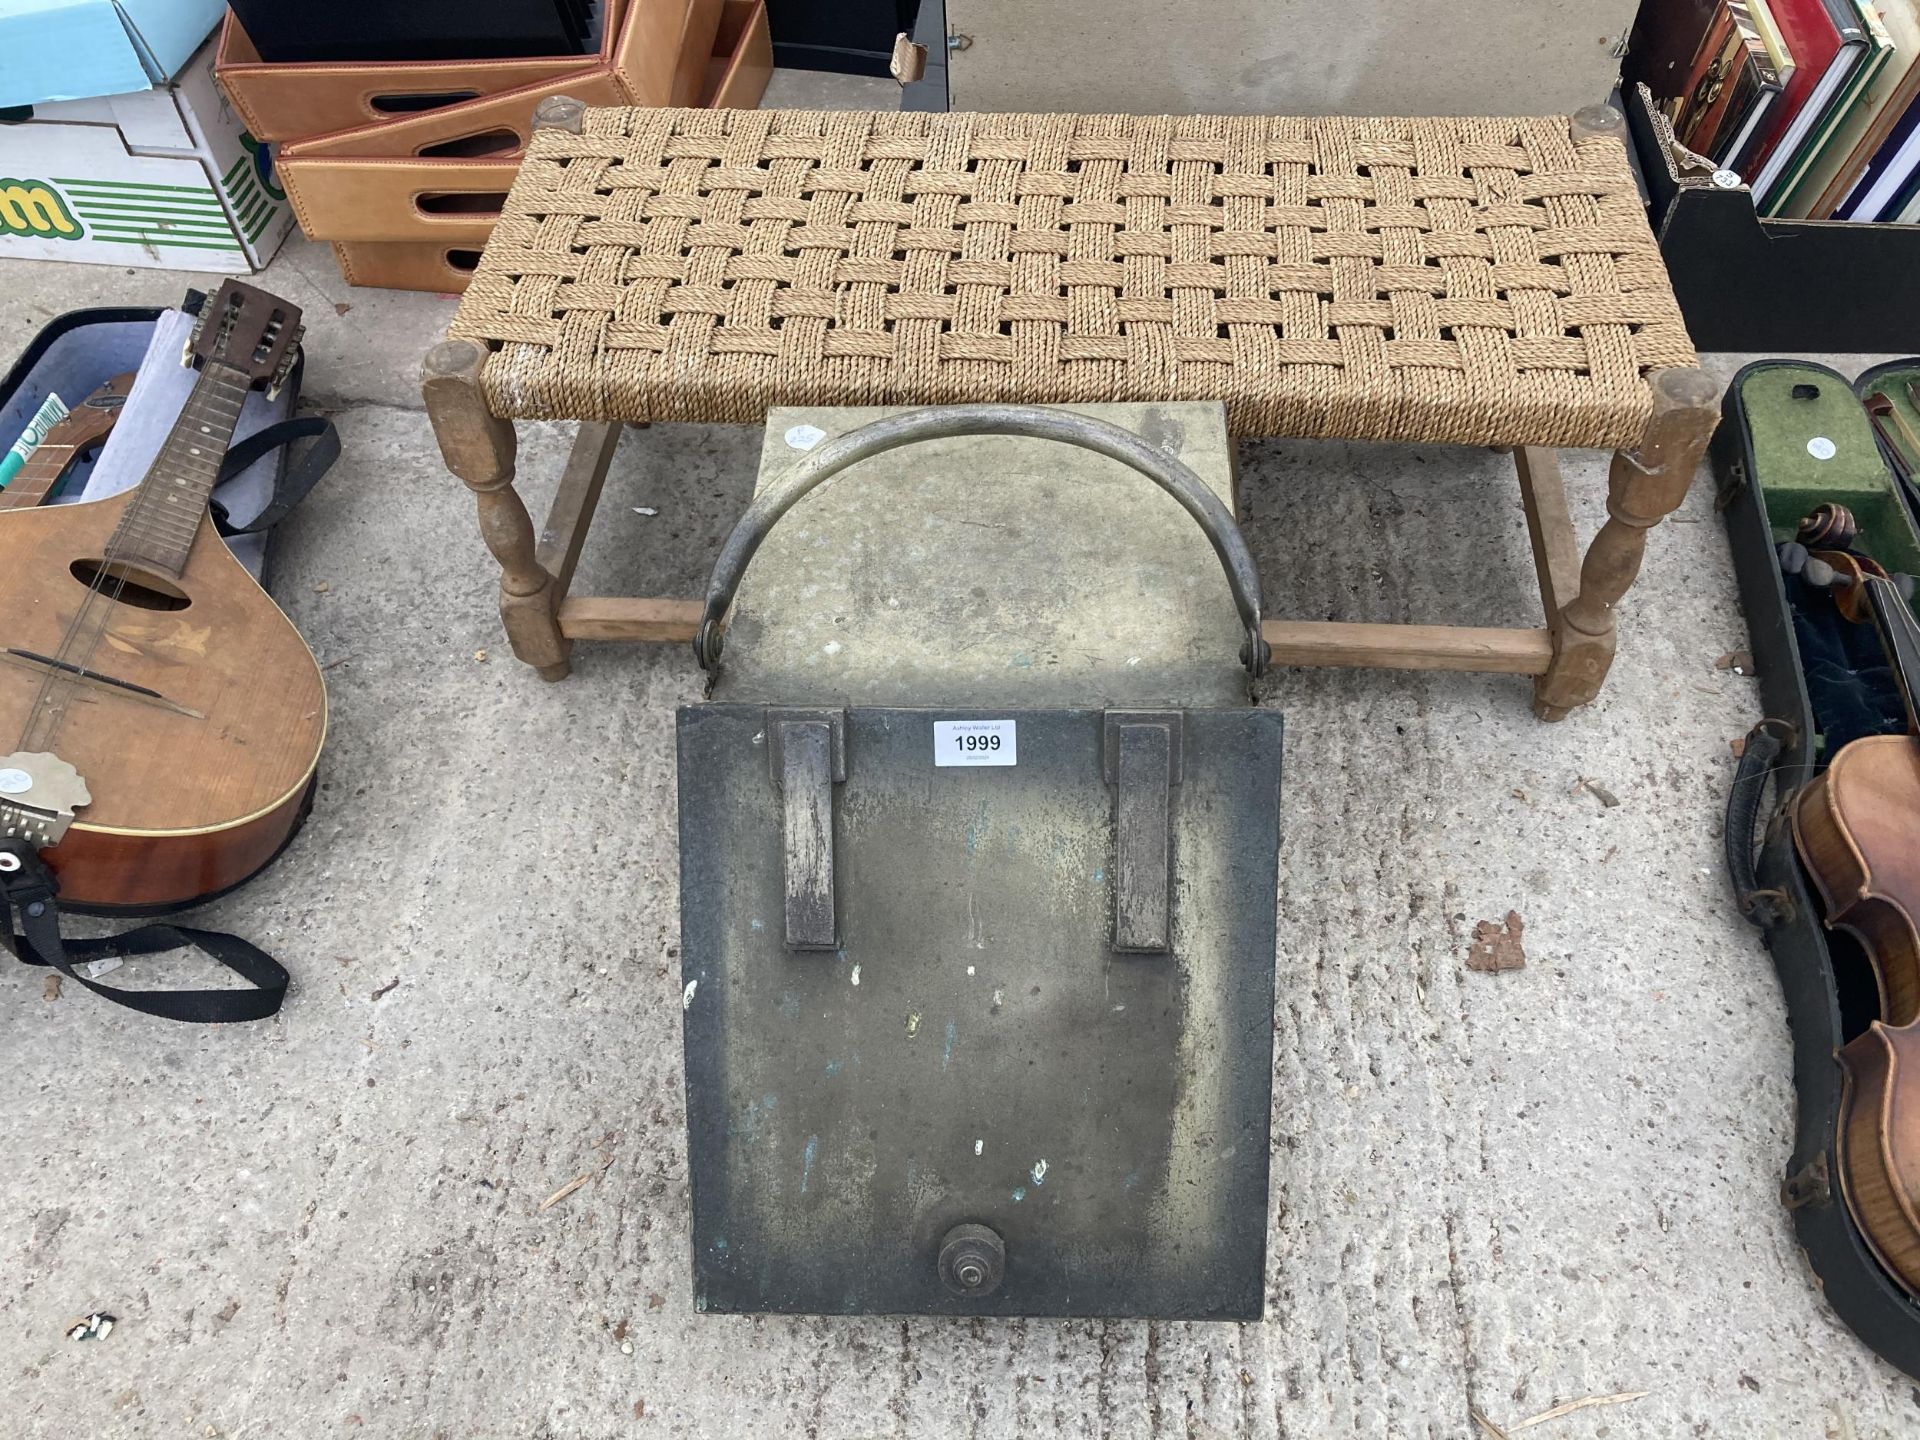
{"x":441,"y":177}
{"x":161,"y":179}
{"x":737,"y":75}
{"x":76,"y":49}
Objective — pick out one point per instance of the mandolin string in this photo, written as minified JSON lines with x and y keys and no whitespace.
{"x":57,"y":689}
{"x":101,"y":576}
{"x":36,"y":712}
{"x":63,"y":684}
{"x":77,"y":646}
{"x":50,"y":704}
{"x":43,"y":718}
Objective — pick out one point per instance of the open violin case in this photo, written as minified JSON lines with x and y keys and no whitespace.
{"x":1795,"y":436}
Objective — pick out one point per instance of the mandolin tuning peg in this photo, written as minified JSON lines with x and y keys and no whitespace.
{"x":1905,"y":585}
{"x":1819,"y":574}
{"x":287,"y":362}
{"x":193,"y":337}
{"x":1792,"y":556}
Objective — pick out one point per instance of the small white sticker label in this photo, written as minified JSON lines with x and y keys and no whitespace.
{"x":1821,"y":448}
{"x":975,"y":742}
{"x":805,"y":437}
{"x":15,"y":782}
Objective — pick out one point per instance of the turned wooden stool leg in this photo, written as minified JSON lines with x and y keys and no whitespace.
{"x":1643,"y":487}
{"x":479,"y":448}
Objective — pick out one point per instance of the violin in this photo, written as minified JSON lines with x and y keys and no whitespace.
{"x":85,"y":428}
{"x":1857,"y":831}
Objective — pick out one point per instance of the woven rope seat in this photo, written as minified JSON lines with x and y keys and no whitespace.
{"x":1469,"y":281}
{"x":1481,"y":281}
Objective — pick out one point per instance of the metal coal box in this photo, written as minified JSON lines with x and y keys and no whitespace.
{"x":978,"y":836}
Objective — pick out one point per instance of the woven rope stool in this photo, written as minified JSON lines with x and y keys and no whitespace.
{"x":1474,"y":281}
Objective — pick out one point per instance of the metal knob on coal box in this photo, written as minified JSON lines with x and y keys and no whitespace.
{"x":973,"y":1259}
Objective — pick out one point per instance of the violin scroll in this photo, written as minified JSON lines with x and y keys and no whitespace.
{"x":1828,"y":527}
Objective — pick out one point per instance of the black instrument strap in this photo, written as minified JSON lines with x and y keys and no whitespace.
{"x":29,"y":890}
{"x":294,"y":483}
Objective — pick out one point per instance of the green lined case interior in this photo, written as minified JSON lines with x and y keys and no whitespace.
{"x":1790,"y":410}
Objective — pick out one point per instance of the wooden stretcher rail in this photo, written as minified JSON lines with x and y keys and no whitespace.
{"x":626,"y":617}
{"x":1409,"y":647}
{"x":1294,"y":642}
{"x":1569,"y":657}
{"x":1556,"y":553}
{"x":574,"y":502}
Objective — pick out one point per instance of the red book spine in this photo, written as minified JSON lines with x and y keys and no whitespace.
{"x":1810,"y":37}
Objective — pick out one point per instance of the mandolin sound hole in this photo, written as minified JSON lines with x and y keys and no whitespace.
{"x":129,"y":586}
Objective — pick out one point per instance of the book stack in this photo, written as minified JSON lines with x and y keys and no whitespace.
{"x":1811,"y":102}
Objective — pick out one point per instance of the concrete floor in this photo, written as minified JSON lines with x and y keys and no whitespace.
{"x":1493,"y":1191}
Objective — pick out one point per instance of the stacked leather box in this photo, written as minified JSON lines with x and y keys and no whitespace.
{"x":402,"y":167}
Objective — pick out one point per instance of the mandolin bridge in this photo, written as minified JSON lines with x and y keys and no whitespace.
{"x":89,"y":677}
{"x":82,"y":672}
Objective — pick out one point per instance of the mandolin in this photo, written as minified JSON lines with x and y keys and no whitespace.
{"x":1857,"y":830}
{"x":165,"y":719}
{"x":84,"y":427}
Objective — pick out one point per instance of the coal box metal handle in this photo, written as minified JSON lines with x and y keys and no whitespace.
{"x":945,"y":422}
